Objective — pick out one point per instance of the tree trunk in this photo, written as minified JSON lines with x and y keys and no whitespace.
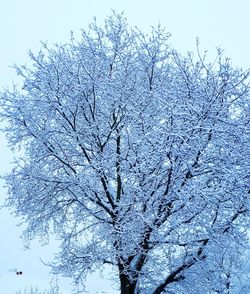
{"x":127,"y":286}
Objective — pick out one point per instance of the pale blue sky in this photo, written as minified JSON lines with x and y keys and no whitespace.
{"x":23,"y":23}
{"x":222,"y":23}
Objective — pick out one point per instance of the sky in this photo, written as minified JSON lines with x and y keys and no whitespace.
{"x":25,"y":23}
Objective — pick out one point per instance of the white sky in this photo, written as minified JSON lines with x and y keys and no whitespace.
{"x":24,"y":23}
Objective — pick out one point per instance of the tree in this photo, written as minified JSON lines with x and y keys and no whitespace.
{"x":135,"y":157}
{"x":53,"y":290}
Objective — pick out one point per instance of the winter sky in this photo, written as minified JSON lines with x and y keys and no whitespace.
{"x":24,"y":23}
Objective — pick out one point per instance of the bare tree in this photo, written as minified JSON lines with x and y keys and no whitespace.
{"x":53,"y":290}
{"x":134,"y":156}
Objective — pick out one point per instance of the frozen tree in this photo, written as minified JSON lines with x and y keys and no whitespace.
{"x":135,"y":157}
{"x":53,"y":290}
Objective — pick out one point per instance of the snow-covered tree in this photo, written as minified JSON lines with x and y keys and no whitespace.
{"x":135,"y":157}
{"x":53,"y":290}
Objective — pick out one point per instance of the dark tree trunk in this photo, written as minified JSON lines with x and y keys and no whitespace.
{"x":127,"y":286}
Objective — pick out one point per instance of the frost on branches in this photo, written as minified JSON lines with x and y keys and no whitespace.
{"x":134,"y":156}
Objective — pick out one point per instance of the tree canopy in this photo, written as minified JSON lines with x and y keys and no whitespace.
{"x":135,"y":157}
